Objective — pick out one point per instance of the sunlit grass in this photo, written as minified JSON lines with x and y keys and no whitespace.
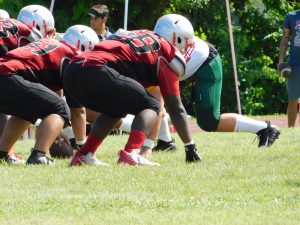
{"x":236,"y":184}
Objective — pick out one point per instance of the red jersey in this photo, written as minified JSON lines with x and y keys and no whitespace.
{"x":41,"y":61}
{"x":14,"y":34}
{"x":141,"y":55}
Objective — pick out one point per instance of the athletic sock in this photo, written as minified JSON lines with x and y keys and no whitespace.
{"x":91,"y":144}
{"x":148,"y":143}
{"x":126,"y":123}
{"x":164,"y":131}
{"x":68,"y":131}
{"x":246,"y":124}
{"x":135,"y":140}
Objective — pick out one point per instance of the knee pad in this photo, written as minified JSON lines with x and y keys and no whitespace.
{"x":207,"y":120}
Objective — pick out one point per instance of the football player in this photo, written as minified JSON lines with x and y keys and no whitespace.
{"x":33,"y":23}
{"x":29,"y":75}
{"x":112,"y":79}
{"x":204,"y":74}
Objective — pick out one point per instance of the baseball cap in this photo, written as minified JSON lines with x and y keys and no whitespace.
{"x":98,"y":11}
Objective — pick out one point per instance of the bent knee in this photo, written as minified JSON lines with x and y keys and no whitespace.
{"x":207,"y":120}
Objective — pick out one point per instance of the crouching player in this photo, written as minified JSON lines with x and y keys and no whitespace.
{"x":111,"y":79}
{"x":29,"y":76}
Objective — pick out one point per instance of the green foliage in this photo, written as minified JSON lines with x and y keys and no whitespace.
{"x":256,"y":30}
{"x":256,"y":26}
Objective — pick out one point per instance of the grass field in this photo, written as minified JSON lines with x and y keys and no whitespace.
{"x":236,"y":184}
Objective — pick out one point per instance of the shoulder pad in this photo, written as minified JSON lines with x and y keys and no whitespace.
{"x":178,"y":64}
{"x":34,"y":35}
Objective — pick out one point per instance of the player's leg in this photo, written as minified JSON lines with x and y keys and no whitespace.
{"x":78,"y":121}
{"x":54,"y":114}
{"x":207,"y":94}
{"x":292,"y":112}
{"x":3,"y":119}
{"x":14,"y":128}
{"x":293,"y":83}
{"x":160,"y":131}
{"x":114,"y":96}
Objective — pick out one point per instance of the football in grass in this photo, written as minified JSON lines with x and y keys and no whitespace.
{"x":61,"y":149}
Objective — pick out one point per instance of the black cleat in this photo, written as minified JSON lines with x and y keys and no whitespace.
{"x":164,"y":146}
{"x":191,"y":154}
{"x":268,"y":135}
{"x":37,"y":157}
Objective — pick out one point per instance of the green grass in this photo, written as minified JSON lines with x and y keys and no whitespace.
{"x":236,"y":184}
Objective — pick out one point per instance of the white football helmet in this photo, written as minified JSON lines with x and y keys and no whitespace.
{"x":82,"y":37}
{"x":177,"y":30}
{"x":37,"y":16}
{"x":3,"y":14}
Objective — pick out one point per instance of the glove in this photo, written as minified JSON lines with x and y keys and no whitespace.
{"x":191,"y":154}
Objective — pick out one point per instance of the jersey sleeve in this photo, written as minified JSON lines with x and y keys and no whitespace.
{"x":286,"y":23}
{"x":34,"y":35}
{"x":167,"y":79}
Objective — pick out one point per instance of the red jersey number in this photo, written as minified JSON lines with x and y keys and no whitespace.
{"x":8,"y":28}
{"x":140,"y":43}
{"x":42,"y":47}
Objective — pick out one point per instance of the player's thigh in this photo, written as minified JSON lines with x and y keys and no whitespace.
{"x":104,"y":89}
{"x":207,"y":95}
{"x":31,"y":101}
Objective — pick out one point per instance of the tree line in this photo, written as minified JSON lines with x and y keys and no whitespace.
{"x":256,"y":30}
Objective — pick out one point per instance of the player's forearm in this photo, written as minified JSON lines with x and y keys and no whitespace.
{"x":284,"y":43}
{"x":180,"y":122}
{"x":283,"y":47}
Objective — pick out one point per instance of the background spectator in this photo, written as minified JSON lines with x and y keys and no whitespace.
{"x":291,"y":32}
{"x":98,"y":18}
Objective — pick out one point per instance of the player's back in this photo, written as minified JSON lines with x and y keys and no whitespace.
{"x":132,"y":53}
{"x":14,"y":34}
{"x":40,"y":61}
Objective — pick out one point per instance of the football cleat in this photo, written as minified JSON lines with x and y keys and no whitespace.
{"x":267,"y":136}
{"x":88,"y":159}
{"x":37,"y":158}
{"x":13,"y":159}
{"x":164,"y":146}
{"x":134,"y":159}
{"x":191,"y":154}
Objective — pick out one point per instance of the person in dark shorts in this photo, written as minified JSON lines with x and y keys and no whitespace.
{"x":30,"y":78}
{"x":19,"y":32}
{"x":291,"y":33}
{"x":112,"y":79}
